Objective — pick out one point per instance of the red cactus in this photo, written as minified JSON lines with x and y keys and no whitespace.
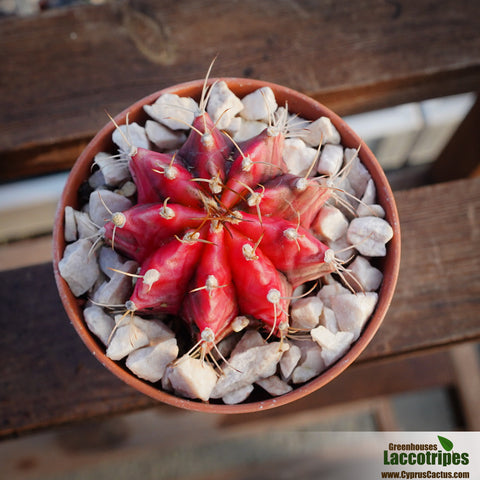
{"x":209,"y":252}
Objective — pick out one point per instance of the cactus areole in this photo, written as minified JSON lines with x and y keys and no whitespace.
{"x":222,"y":229}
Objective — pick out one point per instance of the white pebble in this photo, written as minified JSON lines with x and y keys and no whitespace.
{"x":358,"y":175}
{"x":127,"y":338}
{"x":298,"y":292}
{"x":330,"y":223}
{"x":79,"y":266}
{"x":259,"y":105}
{"x":166,"y":385}
{"x":247,"y":129}
{"x":371,"y":210}
{"x":324,"y":337}
{"x":154,"y":328}
{"x":192,"y":378}
{"x":132,"y":134}
{"x":290,"y":360}
{"x":128,"y":189}
{"x":311,"y":363}
{"x":237,"y":396}
{"x":223,"y":103}
{"x":150,"y":362}
{"x":99,"y":323}
{"x":365,"y":276}
{"x":118,"y":288}
{"x":133,"y":332}
{"x":370,"y":235}
{"x":330,"y":161}
{"x":108,"y":259}
{"x":114,"y":171}
{"x":113,"y":201}
{"x":248,"y":367}
{"x":328,"y":320}
{"x":163,"y":137}
{"x":97,"y":180}
{"x":240,"y":323}
{"x":368,"y":207}
{"x":275,"y":386}
{"x":342,"y":248}
{"x":352,"y":311}
{"x":250,"y":339}
{"x":321,"y":130}
{"x":305,"y":313}
{"x":173,"y":111}
{"x":328,"y":292}
{"x":343,"y":340}
{"x":85,"y":227}
{"x":370,"y":193}
{"x":225,"y":347}
{"x":283,"y":117}
{"x":347,"y":201}
{"x":297,"y":156}
{"x":235,"y":125}
{"x":70,"y":231}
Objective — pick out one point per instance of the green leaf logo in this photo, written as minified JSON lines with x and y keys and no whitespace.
{"x":445,"y":442}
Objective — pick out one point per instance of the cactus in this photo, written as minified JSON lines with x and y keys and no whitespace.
{"x":210,"y":248}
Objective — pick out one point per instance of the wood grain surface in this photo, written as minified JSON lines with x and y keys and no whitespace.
{"x":63,"y":68}
{"x":47,"y":376}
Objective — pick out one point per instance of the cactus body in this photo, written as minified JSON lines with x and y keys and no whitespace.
{"x":207,"y":251}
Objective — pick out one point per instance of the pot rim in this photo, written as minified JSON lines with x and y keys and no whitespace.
{"x":307,"y":108}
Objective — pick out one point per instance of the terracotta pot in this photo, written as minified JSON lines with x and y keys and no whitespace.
{"x":306,"y":108}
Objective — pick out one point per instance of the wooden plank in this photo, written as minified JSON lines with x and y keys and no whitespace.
{"x":28,"y":221}
{"x":28,"y":252}
{"x":47,"y":376}
{"x":61,"y":69}
{"x":437,"y":298}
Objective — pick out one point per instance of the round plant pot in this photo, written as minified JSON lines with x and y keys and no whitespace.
{"x":305,"y":107}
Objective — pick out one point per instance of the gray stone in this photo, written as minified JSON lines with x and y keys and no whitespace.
{"x":70,"y":232}
{"x":113,"y":169}
{"x":370,"y":235}
{"x":163,"y":137}
{"x":223,"y":105}
{"x":248,"y":367}
{"x":101,"y":200}
{"x":192,"y":378}
{"x":118,"y":288}
{"x":99,"y":323}
{"x":237,"y":396}
{"x":274,"y":385}
{"x":79,"y":266}
{"x":177,"y":113}
{"x":353,"y":310}
{"x":126,"y":338}
{"x":259,"y":105}
{"x":149,"y":363}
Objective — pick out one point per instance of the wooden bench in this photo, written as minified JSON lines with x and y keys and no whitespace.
{"x":61,"y":69}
